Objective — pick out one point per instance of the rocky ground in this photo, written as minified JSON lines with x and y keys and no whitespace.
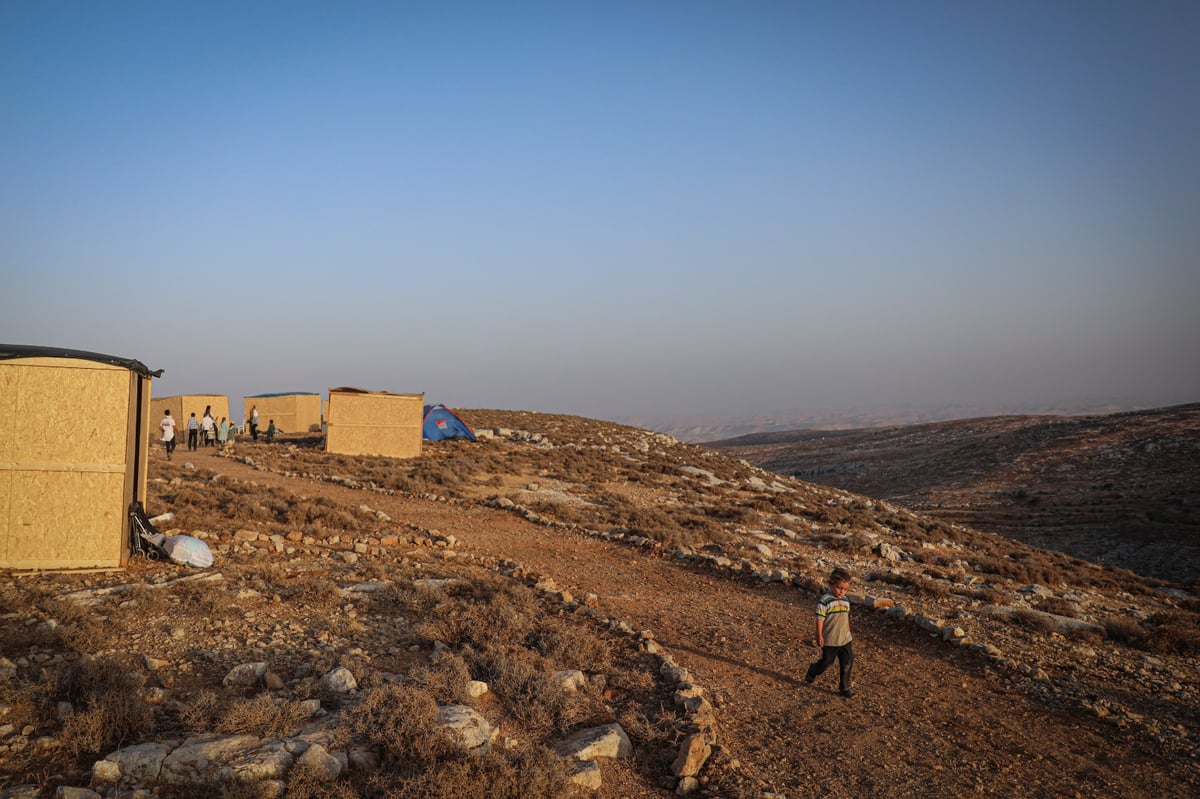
{"x":984,"y":667}
{"x":1121,"y":488}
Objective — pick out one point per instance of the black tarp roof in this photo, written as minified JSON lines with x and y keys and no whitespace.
{"x":11,"y":351}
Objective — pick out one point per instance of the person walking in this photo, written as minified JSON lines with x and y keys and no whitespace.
{"x":168,"y":432}
{"x":254,"y":422}
{"x":223,"y":431}
{"x":833,"y":633}
{"x":193,"y":428}
{"x":209,"y":425}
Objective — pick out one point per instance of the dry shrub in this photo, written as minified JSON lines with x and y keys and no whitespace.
{"x":930,"y":587}
{"x":1034,"y":620}
{"x":529,"y":691}
{"x":309,"y":783}
{"x":397,"y":719}
{"x":480,"y":614}
{"x":569,"y":646}
{"x":208,"y":599}
{"x":1058,"y":606}
{"x":1125,"y":631}
{"x":889,"y":577}
{"x":261,"y":716}
{"x":200,"y":714}
{"x":1175,"y":633}
{"x":313,"y":591}
{"x":219,"y":790}
{"x":530,"y":773}
{"x":857,"y":543}
{"x":445,"y":678}
{"x":110,"y":708}
{"x":989,"y":595}
{"x":78,"y":627}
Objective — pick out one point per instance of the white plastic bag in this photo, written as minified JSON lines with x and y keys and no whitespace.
{"x":189,"y":551}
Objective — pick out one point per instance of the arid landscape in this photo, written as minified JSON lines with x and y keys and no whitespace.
{"x":1120,"y":489}
{"x":563,"y":575}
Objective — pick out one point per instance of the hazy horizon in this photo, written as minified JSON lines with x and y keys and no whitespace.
{"x":622,"y":211}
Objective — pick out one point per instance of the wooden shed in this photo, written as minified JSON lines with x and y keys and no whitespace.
{"x":364,"y":422}
{"x":73,"y":455}
{"x":184,"y":405}
{"x":298,"y":412}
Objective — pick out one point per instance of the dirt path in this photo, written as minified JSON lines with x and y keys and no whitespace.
{"x":926,"y":720}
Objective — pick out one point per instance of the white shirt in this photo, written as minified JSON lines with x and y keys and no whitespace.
{"x":168,"y":427}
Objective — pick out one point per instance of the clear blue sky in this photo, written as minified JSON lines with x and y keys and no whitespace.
{"x":611,"y":209}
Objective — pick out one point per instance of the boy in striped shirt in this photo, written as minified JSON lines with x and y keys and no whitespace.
{"x":833,"y":632}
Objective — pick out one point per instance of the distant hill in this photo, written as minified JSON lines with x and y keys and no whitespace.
{"x":1119,"y":489}
{"x":717,"y":428}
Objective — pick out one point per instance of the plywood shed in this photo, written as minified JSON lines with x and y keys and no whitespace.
{"x":73,"y":456}
{"x":364,"y":422}
{"x":293,"y":413}
{"x":184,"y":405}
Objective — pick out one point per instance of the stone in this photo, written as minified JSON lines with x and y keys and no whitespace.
{"x":340,"y":680}
{"x":140,"y":762}
{"x":476,"y":688}
{"x":950,"y":633}
{"x":272,"y":681}
{"x":693,"y":753}
{"x":247,"y":674}
{"x":608,"y":740}
{"x":70,"y":792}
{"x":271,"y":761}
{"x":467,"y":728}
{"x":687,"y":786}
{"x":571,"y":680}
{"x":363,"y":761}
{"x":319,"y":761}
{"x":585,"y":774}
{"x":929,"y":624}
{"x":200,"y":758}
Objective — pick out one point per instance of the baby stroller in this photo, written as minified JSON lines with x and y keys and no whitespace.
{"x":144,"y":539}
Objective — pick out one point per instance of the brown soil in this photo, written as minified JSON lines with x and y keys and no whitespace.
{"x":927,"y":720}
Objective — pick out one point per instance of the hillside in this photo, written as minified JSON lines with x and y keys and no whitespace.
{"x":679,"y":583}
{"x":1120,"y":489}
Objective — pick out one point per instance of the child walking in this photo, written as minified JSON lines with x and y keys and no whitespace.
{"x":833,"y":632}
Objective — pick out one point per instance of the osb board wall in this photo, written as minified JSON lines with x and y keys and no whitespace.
{"x":293,"y":413}
{"x":182,"y":407}
{"x":64,"y":456}
{"x":375,"y":424}
{"x":67,"y":520}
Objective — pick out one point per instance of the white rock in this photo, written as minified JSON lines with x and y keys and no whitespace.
{"x":340,"y":680}
{"x":141,"y":762}
{"x":202,"y":757}
{"x":572,"y":680}
{"x":585,"y":774}
{"x":608,"y":740}
{"x":467,"y":728}
{"x":316,"y":759}
{"x":248,"y":674}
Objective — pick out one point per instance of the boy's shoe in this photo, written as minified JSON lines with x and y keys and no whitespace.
{"x":809,"y":679}
{"x":846,"y":692}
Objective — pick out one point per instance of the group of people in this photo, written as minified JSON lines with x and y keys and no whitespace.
{"x":272,"y":430}
{"x":206,"y":430}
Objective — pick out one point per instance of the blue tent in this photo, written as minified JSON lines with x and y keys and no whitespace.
{"x":441,"y":423}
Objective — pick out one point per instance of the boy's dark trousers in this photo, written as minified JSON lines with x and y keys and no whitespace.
{"x":845,"y":658}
